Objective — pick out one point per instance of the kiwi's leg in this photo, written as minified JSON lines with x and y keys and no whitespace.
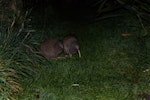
{"x":70,"y":55}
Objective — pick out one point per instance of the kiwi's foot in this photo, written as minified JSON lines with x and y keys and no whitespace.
{"x":60,"y":57}
{"x":68,"y":56}
{"x":57,"y":58}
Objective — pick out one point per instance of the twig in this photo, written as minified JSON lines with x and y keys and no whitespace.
{"x":12,"y":24}
{"x":21,"y":29}
{"x":26,"y":36}
{"x":142,"y":24}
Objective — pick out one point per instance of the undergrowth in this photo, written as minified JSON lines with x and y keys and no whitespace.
{"x":114,"y":63}
{"x":16,"y":53}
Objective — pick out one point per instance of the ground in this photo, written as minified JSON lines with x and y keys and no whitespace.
{"x":113,"y":65}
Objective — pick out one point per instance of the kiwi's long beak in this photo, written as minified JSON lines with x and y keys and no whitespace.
{"x":79,"y":53}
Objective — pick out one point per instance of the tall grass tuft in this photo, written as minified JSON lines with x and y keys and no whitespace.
{"x":15,"y":51}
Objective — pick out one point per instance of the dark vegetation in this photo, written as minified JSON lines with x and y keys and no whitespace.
{"x":114,"y":39}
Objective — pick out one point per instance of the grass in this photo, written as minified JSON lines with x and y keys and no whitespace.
{"x":112,"y":66}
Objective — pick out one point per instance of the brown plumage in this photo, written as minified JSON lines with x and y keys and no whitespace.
{"x":51,"y":48}
{"x":71,"y":45}
{"x":143,"y":96}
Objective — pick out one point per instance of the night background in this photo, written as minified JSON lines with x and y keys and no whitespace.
{"x":114,"y":39}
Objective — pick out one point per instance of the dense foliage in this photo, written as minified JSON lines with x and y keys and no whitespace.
{"x":19,"y":53}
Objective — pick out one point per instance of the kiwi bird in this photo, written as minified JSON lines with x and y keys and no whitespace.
{"x":51,"y":48}
{"x":71,"y":45}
